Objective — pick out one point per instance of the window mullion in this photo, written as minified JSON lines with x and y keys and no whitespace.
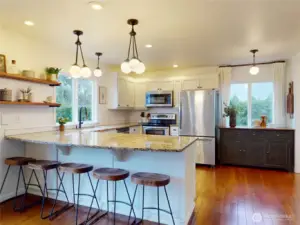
{"x":250,"y":104}
{"x":75,"y":101}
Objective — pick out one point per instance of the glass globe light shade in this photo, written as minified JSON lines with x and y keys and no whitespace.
{"x":254,"y":70}
{"x":85,"y":72}
{"x":133,"y":63}
{"x":125,"y":67}
{"x":75,"y":71}
{"x":98,"y":72}
{"x":140,"y":68}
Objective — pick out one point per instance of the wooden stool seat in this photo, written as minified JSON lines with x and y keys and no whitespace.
{"x":112,"y":174}
{"x":150,"y":179}
{"x":75,"y":168}
{"x":43,"y":165}
{"x":18,"y":161}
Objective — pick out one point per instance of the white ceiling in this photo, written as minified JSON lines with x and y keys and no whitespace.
{"x":185,"y":32}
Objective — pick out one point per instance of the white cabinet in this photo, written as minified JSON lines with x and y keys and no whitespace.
{"x":135,"y":130}
{"x":201,"y":83}
{"x":140,"y":95}
{"x":121,"y":94}
{"x":174,"y":131}
{"x":160,"y":86}
{"x":176,"y":97}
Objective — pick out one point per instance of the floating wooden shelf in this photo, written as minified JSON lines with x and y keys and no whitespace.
{"x":30,"y":103}
{"x":28,"y":79}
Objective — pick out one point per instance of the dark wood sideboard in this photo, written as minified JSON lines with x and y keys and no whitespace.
{"x":257,"y":147}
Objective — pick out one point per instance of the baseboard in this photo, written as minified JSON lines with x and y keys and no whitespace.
{"x":5,"y":197}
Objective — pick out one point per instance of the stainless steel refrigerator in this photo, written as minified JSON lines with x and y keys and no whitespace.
{"x":198,"y":115}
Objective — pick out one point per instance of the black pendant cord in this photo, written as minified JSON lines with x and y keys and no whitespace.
{"x":130,"y":41}
{"x":82,"y":56}
{"x":98,"y":62}
{"x":136,"y":51}
{"x":253,"y":59}
{"x":77,"y":44}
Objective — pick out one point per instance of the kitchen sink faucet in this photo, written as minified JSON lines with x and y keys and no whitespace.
{"x":80,"y":116}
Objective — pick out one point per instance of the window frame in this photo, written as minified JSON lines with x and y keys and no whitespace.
{"x":249,"y":96}
{"x":75,"y":116}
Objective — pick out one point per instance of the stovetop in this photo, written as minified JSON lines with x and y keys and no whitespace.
{"x":155,"y":125}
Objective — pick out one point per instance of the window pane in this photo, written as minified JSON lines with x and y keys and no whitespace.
{"x":64,"y":96}
{"x":262,"y":101}
{"x":85,"y":97}
{"x":239,"y":98}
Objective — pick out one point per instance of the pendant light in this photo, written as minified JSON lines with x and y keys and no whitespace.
{"x":254,"y":70}
{"x":75,"y":69}
{"x":133,"y":63}
{"x":98,"y":71}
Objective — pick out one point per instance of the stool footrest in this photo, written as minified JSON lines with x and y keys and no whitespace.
{"x":92,"y":217}
{"x":62,"y":210}
{"x":163,"y":210}
{"x":126,"y":203}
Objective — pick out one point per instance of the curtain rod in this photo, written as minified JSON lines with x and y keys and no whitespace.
{"x":250,"y":64}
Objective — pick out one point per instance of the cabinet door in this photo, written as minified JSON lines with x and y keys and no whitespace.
{"x":255,"y":152}
{"x":139,"y":95}
{"x":190,"y":84}
{"x":130,"y":94}
{"x":122,"y":92}
{"x":176,"y":97}
{"x":160,"y":86}
{"x":233,"y":152}
{"x":209,"y":83}
{"x":277,"y":154}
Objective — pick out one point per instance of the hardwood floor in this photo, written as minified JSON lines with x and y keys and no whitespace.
{"x":225,"y":196}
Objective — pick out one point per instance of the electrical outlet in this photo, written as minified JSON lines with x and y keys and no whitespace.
{"x":18,"y":119}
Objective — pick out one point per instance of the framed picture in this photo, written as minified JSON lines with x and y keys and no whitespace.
{"x":2,"y":63}
{"x":102,"y":95}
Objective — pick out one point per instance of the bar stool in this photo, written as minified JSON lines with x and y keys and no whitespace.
{"x":45,"y":166}
{"x":19,"y":162}
{"x":152,"y":180}
{"x":114,"y":175}
{"x":75,"y":168}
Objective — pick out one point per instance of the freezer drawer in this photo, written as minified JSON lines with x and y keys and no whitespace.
{"x":205,"y":151}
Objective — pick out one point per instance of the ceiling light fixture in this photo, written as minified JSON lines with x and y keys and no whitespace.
{"x":254,"y":70}
{"x":29,"y":23}
{"x":75,"y":70}
{"x":98,"y":71}
{"x":148,"y":46}
{"x":95,"y":5}
{"x":133,"y":64}
{"x":175,"y":65}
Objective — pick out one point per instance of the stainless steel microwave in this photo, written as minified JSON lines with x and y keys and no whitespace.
{"x":159,"y":99}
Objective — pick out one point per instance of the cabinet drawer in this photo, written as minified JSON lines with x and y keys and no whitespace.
{"x":275,"y":135}
{"x":235,"y":134}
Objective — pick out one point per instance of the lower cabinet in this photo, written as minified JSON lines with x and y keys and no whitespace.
{"x":262,"y":148}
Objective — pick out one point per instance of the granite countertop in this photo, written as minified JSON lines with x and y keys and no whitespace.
{"x":93,"y":139}
{"x":103,"y":128}
{"x":258,"y":128}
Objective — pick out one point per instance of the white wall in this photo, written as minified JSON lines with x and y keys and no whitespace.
{"x":242,"y":75}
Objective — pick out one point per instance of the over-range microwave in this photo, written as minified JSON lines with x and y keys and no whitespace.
{"x":159,"y":99}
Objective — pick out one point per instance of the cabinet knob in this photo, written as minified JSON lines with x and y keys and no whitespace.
{"x":278,"y":135}
{"x":268,"y":152}
{"x":240,"y":150}
{"x":118,"y":104}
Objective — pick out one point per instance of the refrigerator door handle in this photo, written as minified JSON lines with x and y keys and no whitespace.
{"x":180,"y":115}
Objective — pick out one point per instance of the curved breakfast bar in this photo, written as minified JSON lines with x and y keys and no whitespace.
{"x":173,"y":156}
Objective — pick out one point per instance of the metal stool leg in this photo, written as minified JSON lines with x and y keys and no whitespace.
{"x":17,"y":187}
{"x":158,"y":209}
{"x":77,"y":207}
{"x":115,"y":199}
{"x":133,"y":200}
{"x":107,"y":197}
{"x":44,"y":192}
{"x":169,"y":205}
{"x":131,"y":203}
{"x":143,"y":204}
{"x":4,"y":179}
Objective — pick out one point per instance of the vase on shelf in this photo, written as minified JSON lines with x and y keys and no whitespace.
{"x":25,"y":97}
{"x":232,"y":120}
{"x":61,"y":127}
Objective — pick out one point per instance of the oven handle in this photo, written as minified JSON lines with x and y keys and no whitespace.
{"x":180,"y":114}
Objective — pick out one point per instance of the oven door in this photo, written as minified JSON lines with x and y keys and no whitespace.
{"x":156,"y":130}
{"x":159,"y":99}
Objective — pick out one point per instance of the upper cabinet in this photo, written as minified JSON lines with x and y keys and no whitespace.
{"x":140,"y":95}
{"x":201,"y":83}
{"x":160,"y":86}
{"x":121,"y":95}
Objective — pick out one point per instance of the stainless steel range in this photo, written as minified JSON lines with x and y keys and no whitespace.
{"x":159,"y":124}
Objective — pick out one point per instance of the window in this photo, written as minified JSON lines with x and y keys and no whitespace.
{"x":74,"y":94}
{"x":252,"y":100}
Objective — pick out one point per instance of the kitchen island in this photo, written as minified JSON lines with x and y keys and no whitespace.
{"x":173,"y":156}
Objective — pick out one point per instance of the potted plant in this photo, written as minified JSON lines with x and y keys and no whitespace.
{"x":230,"y":111}
{"x":52,"y":73}
{"x":62,"y":121}
{"x":26,"y":93}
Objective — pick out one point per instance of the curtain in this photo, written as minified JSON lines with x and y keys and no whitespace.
{"x":225,"y":82}
{"x":279,"y":93}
